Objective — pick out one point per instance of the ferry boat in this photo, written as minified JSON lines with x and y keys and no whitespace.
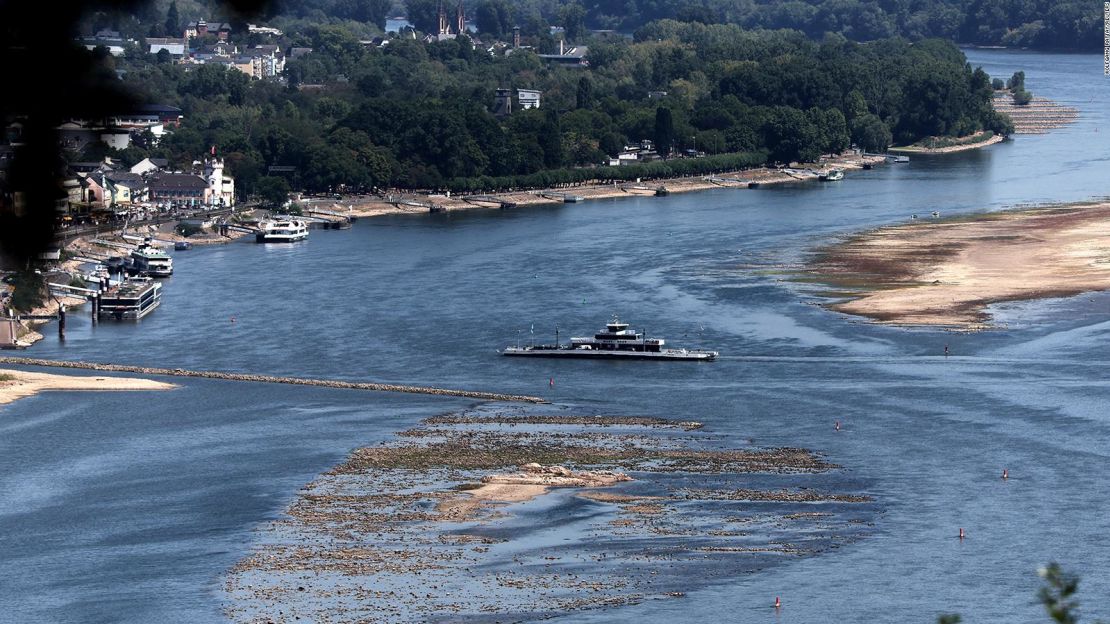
{"x":131,"y":300}
{"x":615,"y":341}
{"x":147,"y":259}
{"x":282,"y":230}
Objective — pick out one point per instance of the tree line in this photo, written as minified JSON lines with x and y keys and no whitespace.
{"x":419,"y":116}
{"x":1074,"y":25}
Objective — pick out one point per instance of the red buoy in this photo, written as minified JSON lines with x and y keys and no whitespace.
{"x":778,"y":603}
{"x":838,"y":425}
{"x":961,"y":533}
{"x":551,"y":382}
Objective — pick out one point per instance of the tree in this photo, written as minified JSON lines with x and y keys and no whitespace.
{"x":664,"y":131}
{"x":423,"y":14}
{"x":574,"y":21}
{"x":1016,"y":82}
{"x":585,"y":93}
{"x":173,"y":20}
{"x":551,"y":140}
{"x":870,"y":133}
{"x":273,"y":190}
{"x":494,"y":18}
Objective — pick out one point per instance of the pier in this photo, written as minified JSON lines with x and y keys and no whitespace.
{"x":400,"y":201}
{"x":489,"y":199}
{"x":297,"y":381}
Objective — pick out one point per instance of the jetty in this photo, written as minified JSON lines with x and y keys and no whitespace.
{"x":489,"y":199}
{"x":728,"y":182}
{"x":566,"y":198}
{"x":400,"y":202}
{"x":297,"y":381}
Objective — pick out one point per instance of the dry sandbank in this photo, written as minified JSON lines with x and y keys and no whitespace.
{"x":946,"y":273}
{"x":15,"y":384}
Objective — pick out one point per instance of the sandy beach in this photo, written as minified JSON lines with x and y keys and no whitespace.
{"x":15,"y":384}
{"x":946,"y":272}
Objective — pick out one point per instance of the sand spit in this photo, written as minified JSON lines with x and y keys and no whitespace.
{"x":15,"y":384}
{"x":965,"y":144}
{"x":946,"y":272}
{"x":485,"y":516}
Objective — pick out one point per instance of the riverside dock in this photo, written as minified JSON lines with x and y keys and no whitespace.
{"x":298,"y":381}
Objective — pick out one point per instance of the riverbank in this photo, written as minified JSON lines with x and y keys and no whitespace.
{"x":377,"y":206}
{"x":947,"y":145}
{"x":16,"y":384}
{"x":509,"y":511}
{"x":945,"y":273}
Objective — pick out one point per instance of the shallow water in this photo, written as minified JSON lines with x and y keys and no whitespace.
{"x":130,"y":507}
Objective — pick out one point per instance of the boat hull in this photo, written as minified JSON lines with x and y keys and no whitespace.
{"x":599,"y":354}
{"x":264,"y":238}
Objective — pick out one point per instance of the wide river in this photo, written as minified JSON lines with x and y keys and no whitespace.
{"x":121,"y":507}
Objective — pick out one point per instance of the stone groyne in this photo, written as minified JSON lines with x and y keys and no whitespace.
{"x":1036,"y":117}
{"x":323,"y":383}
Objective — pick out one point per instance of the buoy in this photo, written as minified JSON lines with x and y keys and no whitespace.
{"x":233,"y":319}
{"x":961,"y":533}
{"x":946,"y":350}
{"x":1005,"y":474}
{"x":838,"y":425}
{"x":551,"y":382}
{"x":778,"y":603}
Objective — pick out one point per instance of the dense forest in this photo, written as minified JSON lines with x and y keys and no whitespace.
{"x":1045,"y":24}
{"x":1040,"y":24}
{"x":418,"y":115}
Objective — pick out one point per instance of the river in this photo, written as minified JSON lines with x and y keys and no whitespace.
{"x":122,"y":507}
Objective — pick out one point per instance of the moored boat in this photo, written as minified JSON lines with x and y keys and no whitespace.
{"x":131,"y":300}
{"x":282,"y":230}
{"x":147,"y":259}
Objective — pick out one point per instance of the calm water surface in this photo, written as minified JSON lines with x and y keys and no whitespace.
{"x":129,"y":507}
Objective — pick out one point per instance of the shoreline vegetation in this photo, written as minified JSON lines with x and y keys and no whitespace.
{"x":946,"y":273}
{"x":947,"y":145}
{"x":17,"y":384}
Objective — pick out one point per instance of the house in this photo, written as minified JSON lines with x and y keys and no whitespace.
{"x":110,"y":39}
{"x":572,"y":57}
{"x":93,"y":192}
{"x":269,"y":60}
{"x":203,"y":28}
{"x":78,"y":134}
{"x":126,"y":187}
{"x":176,"y":47}
{"x":528,"y":98}
{"x":148,"y":165}
{"x":183,"y":188}
{"x":263,"y":30}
